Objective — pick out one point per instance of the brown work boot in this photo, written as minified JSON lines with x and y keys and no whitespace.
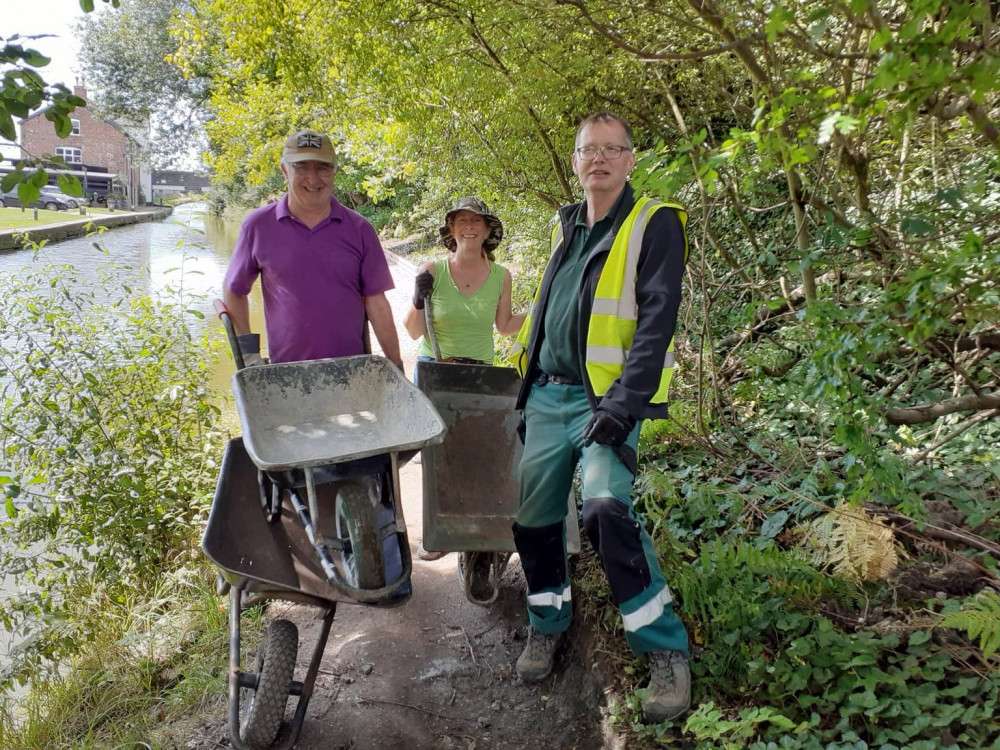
{"x":535,"y":662}
{"x":669,"y":687}
{"x":428,"y":555}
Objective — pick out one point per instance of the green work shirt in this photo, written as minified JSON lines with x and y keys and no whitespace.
{"x":560,"y":352}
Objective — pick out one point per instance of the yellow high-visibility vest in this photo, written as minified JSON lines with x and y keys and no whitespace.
{"x":615,"y":312}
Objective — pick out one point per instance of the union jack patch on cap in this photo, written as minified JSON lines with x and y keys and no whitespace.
{"x":308,"y":145}
{"x":309,"y":140}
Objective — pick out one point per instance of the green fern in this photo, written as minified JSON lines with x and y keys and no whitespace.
{"x":980,"y":618}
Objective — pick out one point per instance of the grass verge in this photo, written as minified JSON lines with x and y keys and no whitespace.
{"x":156,"y":661}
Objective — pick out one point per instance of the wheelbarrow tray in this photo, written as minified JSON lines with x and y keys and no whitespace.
{"x":272,"y":559}
{"x":470,"y":480}
{"x":326,"y":411}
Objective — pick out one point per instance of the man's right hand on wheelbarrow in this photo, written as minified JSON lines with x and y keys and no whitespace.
{"x":250,"y":349}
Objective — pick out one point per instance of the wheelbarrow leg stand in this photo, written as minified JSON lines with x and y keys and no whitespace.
{"x":238,"y":679}
{"x":304,"y":690}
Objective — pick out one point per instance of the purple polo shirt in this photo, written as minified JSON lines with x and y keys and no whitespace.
{"x":314,"y":281}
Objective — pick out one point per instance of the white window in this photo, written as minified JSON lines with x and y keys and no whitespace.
{"x":76,"y":126}
{"x":70,"y":155}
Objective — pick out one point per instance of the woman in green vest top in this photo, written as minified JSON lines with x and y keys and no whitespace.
{"x":469,"y":293}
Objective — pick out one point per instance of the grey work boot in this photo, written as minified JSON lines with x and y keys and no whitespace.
{"x":535,"y":662}
{"x":669,"y":687}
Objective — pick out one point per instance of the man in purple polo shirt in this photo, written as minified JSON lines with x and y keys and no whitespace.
{"x":322,"y":268}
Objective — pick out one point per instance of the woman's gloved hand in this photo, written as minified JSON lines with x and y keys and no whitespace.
{"x":423,"y":286}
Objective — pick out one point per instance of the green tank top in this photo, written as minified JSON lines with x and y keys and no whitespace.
{"x":463,"y":325}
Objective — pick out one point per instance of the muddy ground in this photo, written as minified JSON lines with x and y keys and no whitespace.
{"x":437,"y":672}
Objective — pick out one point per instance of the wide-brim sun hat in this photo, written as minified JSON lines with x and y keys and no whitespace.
{"x":470,"y":203}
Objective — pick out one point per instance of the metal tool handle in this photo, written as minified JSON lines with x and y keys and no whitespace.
{"x":430,"y":329}
{"x":227,"y":322}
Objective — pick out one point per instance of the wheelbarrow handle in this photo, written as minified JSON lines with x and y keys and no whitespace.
{"x":430,"y":329}
{"x":227,"y":322}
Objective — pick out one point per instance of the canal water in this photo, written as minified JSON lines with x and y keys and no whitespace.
{"x":188,"y":251}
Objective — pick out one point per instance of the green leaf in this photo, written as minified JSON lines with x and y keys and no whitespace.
{"x":774,"y":524}
{"x":28,"y":193}
{"x":7,"y":129}
{"x":866,"y":699}
{"x":70,"y":185}
{"x":18,"y":108}
{"x":10,"y":180}
{"x":35,"y":58}
{"x":64,"y":125}
{"x":916,"y":225}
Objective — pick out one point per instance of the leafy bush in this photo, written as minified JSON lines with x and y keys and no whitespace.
{"x":108,"y":451}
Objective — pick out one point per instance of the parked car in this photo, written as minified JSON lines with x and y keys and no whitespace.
{"x":70,"y":200}
{"x":45,"y":200}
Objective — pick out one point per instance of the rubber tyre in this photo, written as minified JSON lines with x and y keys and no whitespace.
{"x":50,"y":206}
{"x":263,"y":709}
{"x":357,"y":523}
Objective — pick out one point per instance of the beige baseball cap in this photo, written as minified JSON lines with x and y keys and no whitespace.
{"x":308,"y":145}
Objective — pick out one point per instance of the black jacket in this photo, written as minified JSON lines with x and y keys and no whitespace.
{"x":658,"y":294}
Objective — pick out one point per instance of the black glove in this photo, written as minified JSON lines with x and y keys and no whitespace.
{"x":249,"y":344}
{"x":522,"y":429}
{"x":424,"y":285}
{"x":607,"y":428}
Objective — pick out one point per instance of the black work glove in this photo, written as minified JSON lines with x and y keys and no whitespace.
{"x":607,"y":428}
{"x":522,"y":429}
{"x":423,"y":286}
{"x":249,"y":344}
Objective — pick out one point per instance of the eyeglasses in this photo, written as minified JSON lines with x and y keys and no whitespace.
{"x":305,"y":167}
{"x":589,"y":153}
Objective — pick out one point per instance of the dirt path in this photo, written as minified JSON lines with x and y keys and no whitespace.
{"x":438,"y":672}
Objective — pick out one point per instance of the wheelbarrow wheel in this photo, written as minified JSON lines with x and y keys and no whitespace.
{"x":357,"y":524}
{"x":479,"y":573}
{"x":264,"y":707}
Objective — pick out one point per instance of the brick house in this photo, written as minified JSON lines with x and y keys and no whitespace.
{"x":102,"y":154}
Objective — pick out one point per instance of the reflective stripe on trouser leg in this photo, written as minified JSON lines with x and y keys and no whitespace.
{"x":553,"y":414}
{"x":626,"y":552}
{"x":543,"y":559}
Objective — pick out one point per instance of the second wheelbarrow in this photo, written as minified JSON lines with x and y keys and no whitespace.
{"x":470,"y":484}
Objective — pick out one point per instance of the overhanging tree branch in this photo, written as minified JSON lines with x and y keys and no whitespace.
{"x":929,"y":412}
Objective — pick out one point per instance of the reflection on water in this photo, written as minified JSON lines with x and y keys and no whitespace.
{"x":186,"y":254}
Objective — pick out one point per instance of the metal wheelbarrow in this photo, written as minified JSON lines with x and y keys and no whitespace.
{"x":470,"y":480}
{"x":332,"y":430}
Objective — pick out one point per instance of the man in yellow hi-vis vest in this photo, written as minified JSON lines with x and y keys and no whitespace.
{"x":596,"y":357}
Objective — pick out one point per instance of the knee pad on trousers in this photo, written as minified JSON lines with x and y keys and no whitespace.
{"x":542,"y":555}
{"x":617,"y":539}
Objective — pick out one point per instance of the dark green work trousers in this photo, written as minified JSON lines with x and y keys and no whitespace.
{"x":555,"y":417}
